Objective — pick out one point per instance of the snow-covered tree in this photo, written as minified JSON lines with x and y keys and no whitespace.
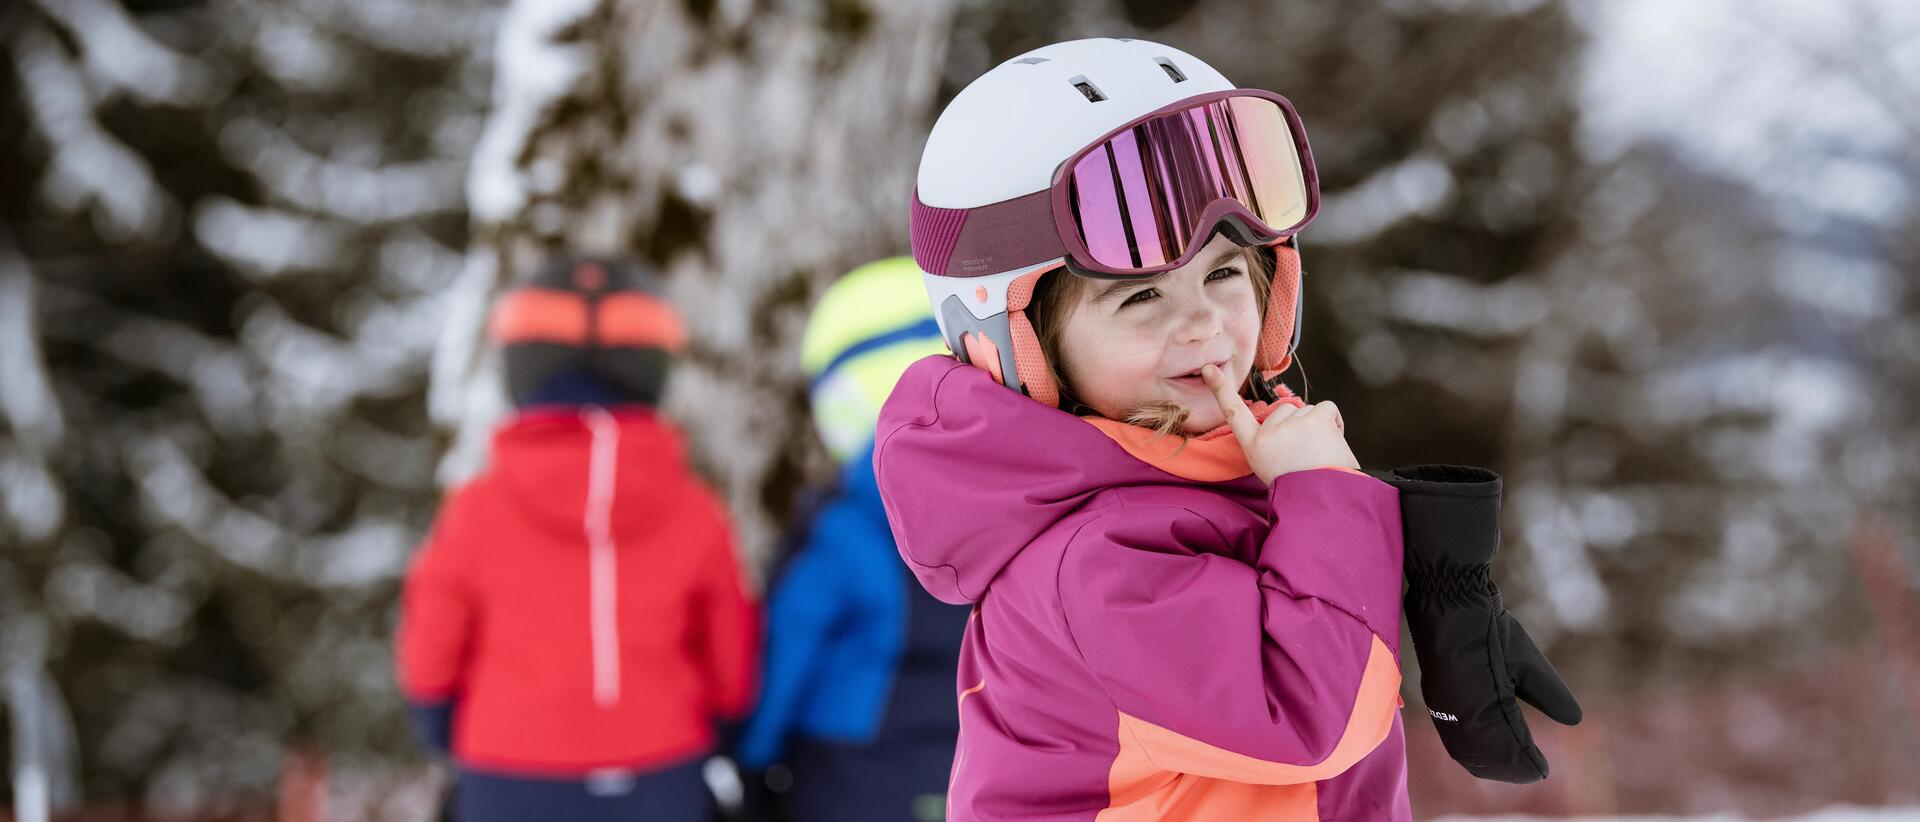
{"x":226,"y":233}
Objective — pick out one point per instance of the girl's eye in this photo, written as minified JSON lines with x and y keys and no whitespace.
{"x":1140,"y":296}
{"x":1219,"y":274}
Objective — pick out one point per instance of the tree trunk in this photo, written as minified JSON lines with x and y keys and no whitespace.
{"x":751,"y":154}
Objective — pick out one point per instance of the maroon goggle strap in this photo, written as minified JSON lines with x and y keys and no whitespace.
{"x":962,"y":242}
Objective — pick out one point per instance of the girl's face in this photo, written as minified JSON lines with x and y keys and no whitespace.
{"x":1131,"y":344}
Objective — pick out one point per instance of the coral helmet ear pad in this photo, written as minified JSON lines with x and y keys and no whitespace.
{"x":1279,"y":330}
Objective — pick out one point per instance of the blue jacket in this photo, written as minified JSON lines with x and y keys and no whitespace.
{"x":857,"y":653}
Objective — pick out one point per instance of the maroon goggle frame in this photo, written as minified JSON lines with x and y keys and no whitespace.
{"x":1145,"y":197}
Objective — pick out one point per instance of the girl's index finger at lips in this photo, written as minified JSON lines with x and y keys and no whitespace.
{"x":1238,"y":419}
{"x":1217,"y":383}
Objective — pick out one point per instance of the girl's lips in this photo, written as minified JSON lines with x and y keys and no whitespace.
{"x":1192,"y":381}
{"x":1194,"y":375}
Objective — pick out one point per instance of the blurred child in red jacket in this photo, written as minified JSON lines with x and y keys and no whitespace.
{"x":576,"y":621}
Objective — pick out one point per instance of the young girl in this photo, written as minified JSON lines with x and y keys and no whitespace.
{"x":1186,"y":596}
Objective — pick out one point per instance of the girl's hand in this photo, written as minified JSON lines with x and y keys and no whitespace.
{"x":1292,"y":439}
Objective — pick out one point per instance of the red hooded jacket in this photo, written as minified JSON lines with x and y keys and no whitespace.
{"x":579,"y":602}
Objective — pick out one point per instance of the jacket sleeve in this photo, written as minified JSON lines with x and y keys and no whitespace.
{"x":1282,"y":672}
{"x":727,"y":626}
{"x":437,"y":614}
{"x":802,"y":612}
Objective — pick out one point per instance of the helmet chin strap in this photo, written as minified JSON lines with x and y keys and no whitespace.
{"x":1263,"y":385}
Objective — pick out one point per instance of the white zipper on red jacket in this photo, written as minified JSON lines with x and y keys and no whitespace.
{"x":602,"y":571}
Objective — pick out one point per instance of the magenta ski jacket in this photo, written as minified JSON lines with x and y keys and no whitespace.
{"x":1155,"y":634}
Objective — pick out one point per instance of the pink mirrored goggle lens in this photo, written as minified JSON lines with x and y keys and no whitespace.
{"x":1138,"y":198}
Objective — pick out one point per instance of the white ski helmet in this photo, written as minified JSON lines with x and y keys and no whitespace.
{"x":1030,"y":169}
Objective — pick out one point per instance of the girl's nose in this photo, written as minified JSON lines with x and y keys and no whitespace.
{"x":1203,"y":322}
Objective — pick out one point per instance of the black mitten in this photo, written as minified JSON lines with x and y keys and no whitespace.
{"x":1475,"y":659}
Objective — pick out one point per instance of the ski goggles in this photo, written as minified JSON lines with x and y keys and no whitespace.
{"x":621,"y":319}
{"x":1144,"y":198}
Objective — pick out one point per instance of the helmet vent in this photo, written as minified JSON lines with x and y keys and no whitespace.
{"x":1088,"y":89}
{"x":1172,"y":70}
{"x":1029,"y":61}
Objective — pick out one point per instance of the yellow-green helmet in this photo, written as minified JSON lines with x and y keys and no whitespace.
{"x":863,"y":334}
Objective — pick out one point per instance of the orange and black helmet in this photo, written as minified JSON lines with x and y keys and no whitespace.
{"x":587,"y":321}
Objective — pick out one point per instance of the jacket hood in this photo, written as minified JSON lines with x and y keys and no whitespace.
{"x":971,"y":471}
{"x":543,"y":458}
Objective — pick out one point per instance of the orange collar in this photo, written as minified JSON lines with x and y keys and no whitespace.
{"x":1214,"y":456}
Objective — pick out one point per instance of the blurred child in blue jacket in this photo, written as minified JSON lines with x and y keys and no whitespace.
{"x":857,"y":696}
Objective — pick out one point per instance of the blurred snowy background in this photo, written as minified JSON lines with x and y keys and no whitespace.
{"x":1655,"y":262}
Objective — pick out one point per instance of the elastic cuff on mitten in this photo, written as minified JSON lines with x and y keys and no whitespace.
{"x":1449,"y":480}
{"x":1459,"y":585}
